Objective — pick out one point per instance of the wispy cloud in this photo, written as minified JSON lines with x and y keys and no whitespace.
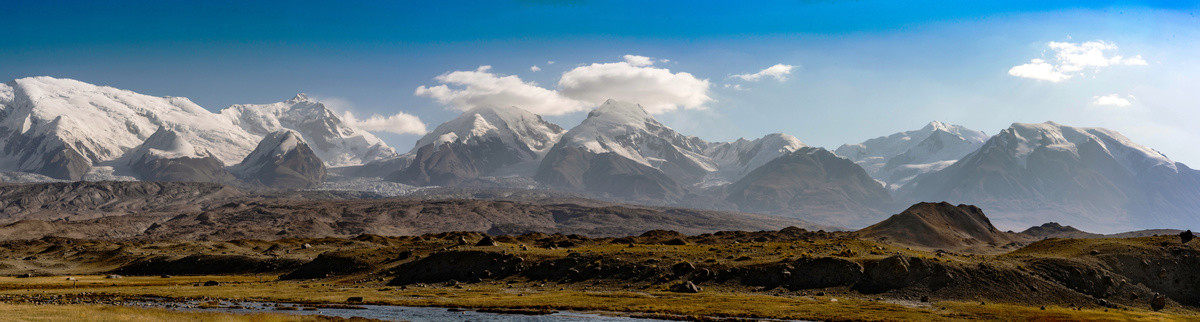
{"x":1072,"y":59}
{"x":779,"y":72}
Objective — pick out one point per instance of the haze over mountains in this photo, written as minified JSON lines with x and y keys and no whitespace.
{"x":1026,"y":175}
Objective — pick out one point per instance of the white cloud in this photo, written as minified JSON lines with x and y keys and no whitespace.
{"x":1038,"y":69}
{"x":534,"y":68}
{"x":549,"y":62}
{"x":635,"y":80}
{"x":656,"y":89}
{"x":779,"y":72}
{"x":736,"y":87}
{"x":1072,"y":59}
{"x":639,"y":61}
{"x":400,"y":123}
{"x":1111,"y":100}
{"x":481,"y":87}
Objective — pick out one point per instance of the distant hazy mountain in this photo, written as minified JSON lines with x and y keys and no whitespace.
{"x":898,"y":158}
{"x":736,"y":159}
{"x":335,"y":142}
{"x":62,"y":128}
{"x":1093,"y":178}
{"x":815,"y":184}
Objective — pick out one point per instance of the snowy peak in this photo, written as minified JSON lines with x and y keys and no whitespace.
{"x":300,"y":97}
{"x":736,"y":159}
{"x":517,"y":128}
{"x":332,"y":139}
{"x":621,"y":112}
{"x":44,"y":116}
{"x":271,"y":149}
{"x":282,"y":160}
{"x":898,"y":158}
{"x":1022,"y":139}
{"x":627,"y":130}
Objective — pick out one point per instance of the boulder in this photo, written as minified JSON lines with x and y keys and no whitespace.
{"x":686,"y":287}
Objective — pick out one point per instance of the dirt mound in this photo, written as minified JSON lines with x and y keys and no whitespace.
{"x":327,"y":265}
{"x":939,"y":225}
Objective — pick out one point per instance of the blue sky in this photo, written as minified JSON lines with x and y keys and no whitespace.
{"x":858,"y":69}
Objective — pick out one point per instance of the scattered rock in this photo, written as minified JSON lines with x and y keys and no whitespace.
{"x":354,"y":299}
{"x":212,"y":283}
{"x":686,"y":287}
{"x":683,"y":268}
{"x":113,"y":277}
{"x":165,"y":276}
{"x":306,"y":246}
{"x":925,"y":299}
{"x":1186,"y":236}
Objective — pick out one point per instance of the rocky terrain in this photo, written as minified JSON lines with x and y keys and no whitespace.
{"x":191,"y":211}
{"x":1129,"y":274}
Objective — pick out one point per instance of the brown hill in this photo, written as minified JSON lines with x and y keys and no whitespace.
{"x":940,"y":225}
{"x":1056,"y":230}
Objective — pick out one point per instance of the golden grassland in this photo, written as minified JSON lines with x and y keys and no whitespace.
{"x":28,"y":312}
{"x":714,"y":302}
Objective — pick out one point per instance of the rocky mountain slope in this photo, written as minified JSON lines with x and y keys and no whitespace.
{"x":282,"y":160}
{"x":1093,"y":178}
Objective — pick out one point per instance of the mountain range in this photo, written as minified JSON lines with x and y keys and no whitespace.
{"x":1027,"y":174}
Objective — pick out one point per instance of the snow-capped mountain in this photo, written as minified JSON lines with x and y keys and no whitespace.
{"x":1095,"y":178}
{"x":898,"y":158}
{"x":483,"y":141}
{"x":282,"y":160}
{"x":167,"y":156}
{"x":335,"y":141}
{"x":166,"y":144}
{"x":736,"y":159}
{"x":62,"y":127}
{"x":527,"y":133}
{"x":626,"y":130}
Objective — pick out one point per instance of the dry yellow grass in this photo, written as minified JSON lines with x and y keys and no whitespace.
{"x":25,"y":312}
{"x":713,"y":302}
